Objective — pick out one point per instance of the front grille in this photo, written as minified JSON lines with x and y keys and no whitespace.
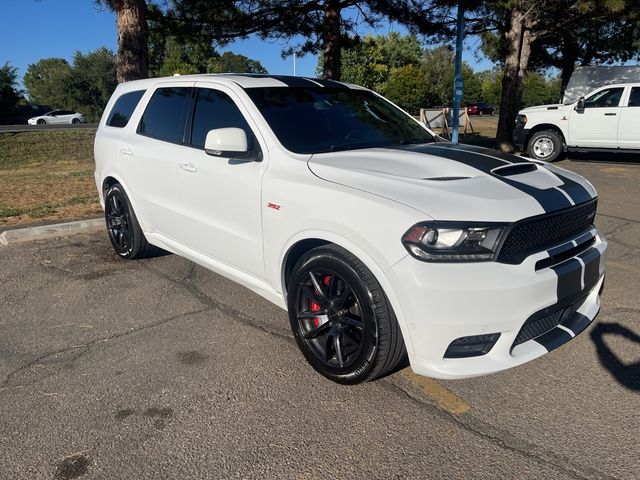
{"x":538,"y":325}
{"x":544,"y":231}
{"x":533,"y":328}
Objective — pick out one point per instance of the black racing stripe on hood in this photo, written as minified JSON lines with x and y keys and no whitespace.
{"x":549,"y":199}
{"x":577,"y":192}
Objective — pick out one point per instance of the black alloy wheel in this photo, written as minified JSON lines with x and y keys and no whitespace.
{"x":341,"y":318}
{"x":330,"y":319}
{"x":75,"y":121}
{"x":123,"y":228}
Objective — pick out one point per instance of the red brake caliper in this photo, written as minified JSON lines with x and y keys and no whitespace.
{"x":314,"y":307}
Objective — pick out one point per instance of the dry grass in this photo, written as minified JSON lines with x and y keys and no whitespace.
{"x":46,"y":175}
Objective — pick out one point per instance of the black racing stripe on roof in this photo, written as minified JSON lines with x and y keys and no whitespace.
{"x":294,"y":81}
{"x":329,"y":83}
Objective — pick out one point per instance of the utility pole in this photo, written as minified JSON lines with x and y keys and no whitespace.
{"x":458,"y":83}
{"x":294,"y":64}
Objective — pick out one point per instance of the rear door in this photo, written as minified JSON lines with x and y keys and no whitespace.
{"x":150,"y":152}
{"x":629,"y":124}
{"x":597,"y":124}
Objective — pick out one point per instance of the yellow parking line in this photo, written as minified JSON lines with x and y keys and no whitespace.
{"x":444,"y":397}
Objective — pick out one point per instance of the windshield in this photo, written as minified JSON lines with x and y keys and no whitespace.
{"x":315,"y":120}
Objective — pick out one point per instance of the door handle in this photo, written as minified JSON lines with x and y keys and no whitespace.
{"x":188,"y":167}
{"x":610,"y":114}
{"x":126,"y":151}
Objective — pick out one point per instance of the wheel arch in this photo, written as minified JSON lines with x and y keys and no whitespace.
{"x":111,"y":179}
{"x":547,"y":126}
{"x":297,"y":247}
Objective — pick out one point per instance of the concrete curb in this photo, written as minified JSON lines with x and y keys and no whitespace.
{"x":44,"y":232}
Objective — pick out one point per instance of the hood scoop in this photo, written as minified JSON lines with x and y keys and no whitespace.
{"x":444,"y":179}
{"x":515,"y":169}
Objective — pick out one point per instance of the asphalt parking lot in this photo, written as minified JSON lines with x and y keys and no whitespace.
{"x":161,"y":369}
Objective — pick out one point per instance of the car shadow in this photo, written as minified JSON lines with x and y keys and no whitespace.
{"x":602,"y":157}
{"x":627,"y":374}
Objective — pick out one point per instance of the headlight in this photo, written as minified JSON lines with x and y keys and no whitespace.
{"x":521,"y":119}
{"x":454,"y":241}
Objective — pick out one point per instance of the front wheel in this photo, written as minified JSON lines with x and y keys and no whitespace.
{"x":341,"y":318}
{"x":41,"y":122}
{"x":545,"y":145}
{"x":75,"y":121}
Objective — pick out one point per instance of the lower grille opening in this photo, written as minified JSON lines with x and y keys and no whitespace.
{"x":541,"y":322}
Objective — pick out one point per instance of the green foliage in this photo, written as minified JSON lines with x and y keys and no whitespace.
{"x":539,"y":90}
{"x":47,"y":82}
{"x":169,"y":56}
{"x":10,"y":93}
{"x":406,"y":88}
{"x":230,"y":62}
{"x":84,"y":86}
{"x":93,"y":82}
{"x":386,"y":63}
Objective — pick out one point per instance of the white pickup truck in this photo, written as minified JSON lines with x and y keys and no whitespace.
{"x":607,"y":119}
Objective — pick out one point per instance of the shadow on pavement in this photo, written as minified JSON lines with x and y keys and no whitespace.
{"x":603,"y":157}
{"x":627,"y":375}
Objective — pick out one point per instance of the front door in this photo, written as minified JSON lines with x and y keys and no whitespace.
{"x":220,"y":198}
{"x":629,"y":126}
{"x":597,"y":124}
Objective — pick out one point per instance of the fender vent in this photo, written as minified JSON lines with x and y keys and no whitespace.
{"x":444,"y":179}
{"x":515,"y":169}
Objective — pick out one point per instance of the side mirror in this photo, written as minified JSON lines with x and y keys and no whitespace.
{"x":226,"y":142}
{"x":580,"y":105}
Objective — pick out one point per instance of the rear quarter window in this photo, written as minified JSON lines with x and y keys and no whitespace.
{"x":123,"y":109}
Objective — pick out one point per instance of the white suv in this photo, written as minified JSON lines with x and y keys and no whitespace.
{"x":606,"y":120}
{"x":382,"y":242}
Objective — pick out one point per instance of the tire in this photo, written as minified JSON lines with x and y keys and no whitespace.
{"x":355,"y":336}
{"x":75,"y":121}
{"x":41,"y":122}
{"x":123,"y":228}
{"x":545,"y":145}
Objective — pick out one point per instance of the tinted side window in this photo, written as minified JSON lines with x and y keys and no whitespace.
{"x":215,"y":109}
{"x":605,"y":98}
{"x":123,"y":109}
{"x":634,"y":98}
{"x":164,"y":116}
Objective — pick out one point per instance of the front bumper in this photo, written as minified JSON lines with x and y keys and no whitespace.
{"x":520,"y":136}
{"x":440,"y":303}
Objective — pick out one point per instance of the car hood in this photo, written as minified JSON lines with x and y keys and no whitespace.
{"x":455,"y":182}
{"x":544,"y":108}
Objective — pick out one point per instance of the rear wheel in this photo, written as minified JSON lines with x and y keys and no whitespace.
{"x":123,"y":228}
{"x":545,"y":145}
{"x":341,"y":319}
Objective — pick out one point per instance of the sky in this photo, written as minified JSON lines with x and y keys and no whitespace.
{"x":34,"y":29}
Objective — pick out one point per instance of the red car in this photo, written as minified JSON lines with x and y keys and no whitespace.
{"x":479,"y":108}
